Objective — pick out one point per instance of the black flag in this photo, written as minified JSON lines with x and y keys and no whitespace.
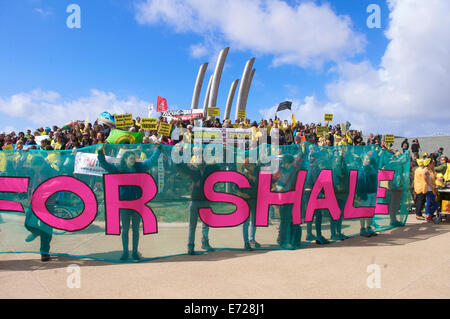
{"x":284,"y":106}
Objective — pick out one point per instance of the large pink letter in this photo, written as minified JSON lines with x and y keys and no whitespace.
{"x":12,"y":185}
{"x":225,"y":220}
{"x":383,"y":209}
{"x":325,"y":182}
{"x":351,"y":211}
{"x":68,"y":184}
{"x":113,"y":204}
{"x":267,"y":198}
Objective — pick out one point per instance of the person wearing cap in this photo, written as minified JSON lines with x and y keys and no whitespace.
{"x":86,"y":140}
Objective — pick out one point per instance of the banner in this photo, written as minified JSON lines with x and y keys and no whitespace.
{"x":208,"y":135}
{"x":183,"y":115}
{"x":88,"y":164}
{"x":83,"y":205}
{"x":124,"y":137}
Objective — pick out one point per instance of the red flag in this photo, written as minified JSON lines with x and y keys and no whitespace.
{"x":161,"y":106}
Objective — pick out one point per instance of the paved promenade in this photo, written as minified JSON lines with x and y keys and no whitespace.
{"x":411,"y":262}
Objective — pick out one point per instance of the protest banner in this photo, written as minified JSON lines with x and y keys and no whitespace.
{"x":124,"y":120}
{"x":149,"y":124}
{"x":87,"y":164}
{"x":183,"y":115}
{"x":98,"y":194}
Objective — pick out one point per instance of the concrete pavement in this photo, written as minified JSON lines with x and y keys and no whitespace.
{"x":407,"y":262}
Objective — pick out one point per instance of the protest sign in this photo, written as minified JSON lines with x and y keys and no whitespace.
{"x":328,"y":117}
{"x":149,"y":124}
{"x":164,"y":129}
{"x":242,"y":114}
{"x":214,"y":111}
{"x":124,"y":120}
{"x":389,"y":138}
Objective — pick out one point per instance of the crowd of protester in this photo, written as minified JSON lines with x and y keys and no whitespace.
{"x":428,"y":172}
{"x":79,"y":134}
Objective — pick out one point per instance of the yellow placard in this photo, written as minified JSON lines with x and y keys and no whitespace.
{"x":149,"y":124}
{"x":164,"y":129}
{"x":328,"y":117}
{"x":8,"y":147}
{"x":242,"y":114}
{"x":214,"y":111}
{"x":389,"y":138}
{"x":124,"y":120}
{"x":322,"y":130}
{"x":445,"y":206}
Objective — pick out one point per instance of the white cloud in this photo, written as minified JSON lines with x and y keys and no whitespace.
{"x":291,"y":34}
{"x":43,"y":12}
{"x":409,"y":91}
{"x":47,"y":108}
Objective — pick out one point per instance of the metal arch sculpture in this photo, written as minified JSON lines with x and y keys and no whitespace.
{"x":245,"y":82}
{"x":198,"y":85}
{"x":230,"y":98}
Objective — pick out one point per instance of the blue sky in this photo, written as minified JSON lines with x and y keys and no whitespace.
{"x":126,"y":53}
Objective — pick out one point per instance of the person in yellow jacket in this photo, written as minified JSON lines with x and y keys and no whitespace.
{"x":419,"y":188}
{"x":430,"y":180}
{"x":447,"y":174}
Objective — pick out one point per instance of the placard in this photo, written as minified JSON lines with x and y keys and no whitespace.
{"x":328,"y":117}
{"x":149,"y":124}
{"x":164,"y":129}
{"x":389,"y":138}
{"x":124,"y":120}
{"x":214,"y":111}
{"x":242,"y":114}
